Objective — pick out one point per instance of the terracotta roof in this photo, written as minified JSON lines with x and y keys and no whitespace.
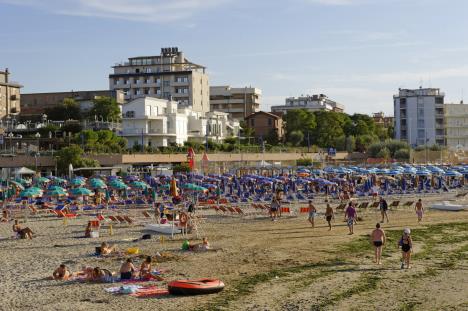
{"x":263,"y":112}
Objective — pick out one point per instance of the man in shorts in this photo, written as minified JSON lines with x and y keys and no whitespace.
{"x":419,"y":210}
{"x":312,"y":213}
{"x":383,"y":209}
{"x":378,"y":239}
{"x":329,"y":215}
{"x":351,"y":216}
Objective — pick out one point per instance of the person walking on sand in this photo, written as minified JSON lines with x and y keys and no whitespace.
{"x":378,"y":239}
{"x":329,"y":215}
{"x":312,"y":213}
{"x":383,"y":209}
{"x":406,"y":244}
{"x":419,"y":210}
{"x":351,"y":216}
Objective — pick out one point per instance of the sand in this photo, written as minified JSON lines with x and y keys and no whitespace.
{"x":282,"y":265}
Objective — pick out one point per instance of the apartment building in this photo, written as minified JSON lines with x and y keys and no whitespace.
{"x":310,"y":102}
{"x":419,"y":116}
{"x":238,"y":102}
{"x":263,"y":123}
{"x":456,"y":126}
{"x":156,"y":122}
{"x":9,"y":95}
{"x":168,"y":76}
{"x":381,"y":119}
{"x":34,"y":105}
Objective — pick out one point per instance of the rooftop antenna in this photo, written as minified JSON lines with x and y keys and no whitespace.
{"x":461,"y":101}
{"x":420,"y":82}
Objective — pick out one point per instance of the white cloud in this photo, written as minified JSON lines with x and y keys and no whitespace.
{"x":133,"y":10}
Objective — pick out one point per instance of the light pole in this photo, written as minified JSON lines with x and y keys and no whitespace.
{"x":38,"y":137}
{"x":11,"y":141}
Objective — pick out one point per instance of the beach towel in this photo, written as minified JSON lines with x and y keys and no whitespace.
{"x":150,"y":291}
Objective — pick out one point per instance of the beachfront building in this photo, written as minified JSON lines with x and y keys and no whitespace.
{"x":456,"y":126}
{"x":155,"y":122}
{"x":238,"y":102}
{"x":419,"y":116}
{"x":34,"y":105}
{"x":169,"y":76}
{"x":310,"y":102}
{"x":9,"y":96}
{"x":381,"y":119}
{"x":265,"y":124}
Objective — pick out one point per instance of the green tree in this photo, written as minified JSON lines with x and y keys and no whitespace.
{"x":68,"y":109}
{"x":272,"y":137}
{"x":73,"y":155}
{"x":106,"y":107}
{"x":296,"y":137}
{"x":402,"y":155}
{"x":350,"y":143}
{"x":364,"y":141}
{"x":299,"y":120}
{"x":329,"y":126}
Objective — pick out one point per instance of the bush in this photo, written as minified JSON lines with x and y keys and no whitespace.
{"x":374,"y":149}
{"x":181,"y":168}
{"x":393,"y":145}
{"x":402,"y":154}
{"x":304,"y":162}
{"x":384,"y":153}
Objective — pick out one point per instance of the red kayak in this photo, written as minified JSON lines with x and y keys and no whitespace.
{"x":195,"y":287}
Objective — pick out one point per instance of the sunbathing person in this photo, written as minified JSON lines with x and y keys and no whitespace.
{"x":127,"y":270}
{"x":22,"y":232}
{"x":62,"y":273}
{"x":98,"y":275}
{"x":106,"y":249}
{"x":86,"y":273}
{"x":145,"y":270}
{"x":5,"y":216}
{"x":88,"y":230}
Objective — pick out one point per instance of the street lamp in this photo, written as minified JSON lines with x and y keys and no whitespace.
{"x":38,"y":137}
{"x":11,"y":141}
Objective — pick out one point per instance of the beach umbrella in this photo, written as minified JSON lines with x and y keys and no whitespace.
{"x":453,"y":174}
{"x":42,"y":180}
{"x":77,"y":182}
{"x":132,"y":178}
{"x":193,"y":187}
{"x":58,"y":180}
{"x":97,"y":183}
{"x":81,"y":191}
{"x":35,"y":189}
{"x":139,"y":185}
{"x":17,"y":185}
{"x":423,"y":173}
{"x":30,"y":194}
{"x":22,"y":181}
{"x":57,"y":192}
{"x":119,"y":186}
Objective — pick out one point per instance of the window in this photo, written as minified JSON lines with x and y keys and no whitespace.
{"x":137,"y":70}
{"x":270,"y":122}
{"x":147,"y":80}
{"x":157,"y":80}
{"x":439,"y":100}
{"x":130,"y":114}
{"x":252,"y":122}
{"x":146,"y":91}
{"x":126,"y":81}
{"x":181,"y":79}
{"x":402,"y":101}
{"x":166,"y":83}
{"x":421,"y":133}
{"x":148,"y":70}
{"x":167,"y":95}
{"x":158,"y":91}
{"x":420,"y":123}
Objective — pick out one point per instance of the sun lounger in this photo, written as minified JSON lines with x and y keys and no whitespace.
{"x":120,"y":219}
{"x":128,"y":220}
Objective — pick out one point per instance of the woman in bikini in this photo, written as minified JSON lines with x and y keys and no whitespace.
{"x":22,"y":232}
{"x":145,"y":270}
{"x":406,"y":244}
{"x":62,"y":273}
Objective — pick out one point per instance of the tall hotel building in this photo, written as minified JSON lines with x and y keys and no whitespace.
{"x":419,"y":116}
{"x":168,"y":76}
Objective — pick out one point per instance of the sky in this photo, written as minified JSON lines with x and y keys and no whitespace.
{"x":357,"y":52}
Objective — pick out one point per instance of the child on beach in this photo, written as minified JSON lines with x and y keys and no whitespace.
{"x":419,"y":210}
{"x":312,"y":213}
{"x":62,"y":273}
{"x":383,"y":209}
{"x":406,"y":244}
{"x":329,"y":215}
{"x":378,"y":239}
{"x":22,"y":232}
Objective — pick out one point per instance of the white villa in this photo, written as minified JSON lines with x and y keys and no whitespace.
{"x":155,"y":122}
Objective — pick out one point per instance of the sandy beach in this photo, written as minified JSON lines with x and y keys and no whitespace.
{"x":282,"y":265}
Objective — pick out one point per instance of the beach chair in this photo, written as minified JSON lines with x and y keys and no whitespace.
{"x":375,"y":204}
{"x":239,"y":211}
{"x":341,"y":206}
{"x":147,"y":215}
{"x":304,"y":210}
{"x":231,"y":210}
{"x":394,"y":204}
{"x":120,"y":219}
{"x":363,"y":205}
{"x":113,"y":219}
{"x":408,"y":204}
{"x":128,"y":220}
{"x":222,"y":209}
{"x":285,"y":210}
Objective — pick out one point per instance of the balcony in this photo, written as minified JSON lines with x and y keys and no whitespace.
{"x":139,"y":132}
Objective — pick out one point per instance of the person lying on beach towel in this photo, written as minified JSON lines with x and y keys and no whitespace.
{"x":5,"y":216}
{"x":62,"y":273}
{"x":107,"y":249}
{"x":22,"y":232}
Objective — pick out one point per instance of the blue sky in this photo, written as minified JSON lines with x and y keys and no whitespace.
{"x":358,"y":52}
